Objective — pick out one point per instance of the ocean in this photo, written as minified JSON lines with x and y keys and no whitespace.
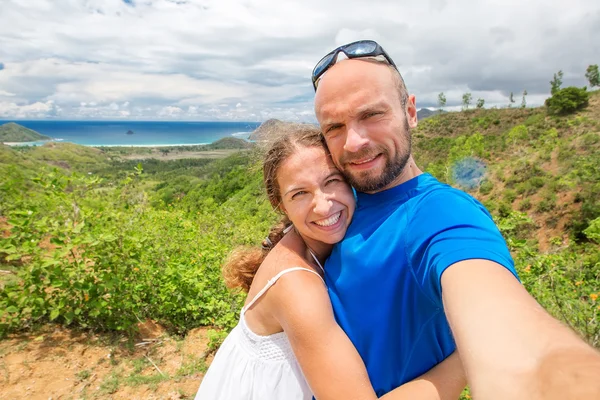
{"x":145,"y":133}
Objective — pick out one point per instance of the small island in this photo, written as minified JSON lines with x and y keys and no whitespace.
{"x":15,"y":133}
{"x":129,"y":132}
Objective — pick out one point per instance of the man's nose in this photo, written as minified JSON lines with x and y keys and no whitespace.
{"x":355,"y":140}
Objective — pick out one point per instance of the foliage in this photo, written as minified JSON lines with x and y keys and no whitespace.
{"x":466,"y":100}
{"x":523,"y":101}
{"x":441,"y":100}
{"x":12,"y":132}
{"x":567,"y":100}
{"x":480,"y":103}
{"x":97,"y":254}
{"x":556,"y":82}
{"x":593,"y":231}
{"x":129,"y":242}
{"x":592,"y":75}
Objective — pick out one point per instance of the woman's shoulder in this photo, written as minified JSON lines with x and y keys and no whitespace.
{"x":290,"y":252}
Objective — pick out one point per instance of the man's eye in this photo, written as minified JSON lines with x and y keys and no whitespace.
{"x":333,"y":180}
{"x":372,"y":114}
{"x":331,"y":129}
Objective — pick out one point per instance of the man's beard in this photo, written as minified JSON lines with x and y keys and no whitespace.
{"x":365,"y":181}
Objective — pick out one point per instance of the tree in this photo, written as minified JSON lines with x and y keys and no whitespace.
{"x":523,"y":101}
{"x":466,"y":100}
{"x":480,"y":103}
{"x":556,"y":82}
{"x":442,"y":100}
{"x":511,"y":99}
{"x":592,"y":75}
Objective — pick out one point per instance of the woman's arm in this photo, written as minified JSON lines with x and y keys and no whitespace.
{"x":329,"y":361}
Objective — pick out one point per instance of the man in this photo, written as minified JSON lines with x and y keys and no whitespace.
{"x":423,"y":266}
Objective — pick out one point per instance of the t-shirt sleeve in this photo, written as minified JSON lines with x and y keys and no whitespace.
{"x":448,"y":226}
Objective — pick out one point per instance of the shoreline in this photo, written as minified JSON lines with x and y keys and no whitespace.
{"x":13,"y":144}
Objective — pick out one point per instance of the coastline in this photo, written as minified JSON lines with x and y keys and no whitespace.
{"x":103,"y":145}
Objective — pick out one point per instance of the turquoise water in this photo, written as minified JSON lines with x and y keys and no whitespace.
{"x":145,"y":133}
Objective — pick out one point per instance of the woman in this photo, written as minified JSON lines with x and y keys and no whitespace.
{"x":287,"y":344}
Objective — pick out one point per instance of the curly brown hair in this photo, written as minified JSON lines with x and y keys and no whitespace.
{"x":284,"y":141}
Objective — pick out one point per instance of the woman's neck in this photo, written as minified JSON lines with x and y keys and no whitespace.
{"x":319,"y":249}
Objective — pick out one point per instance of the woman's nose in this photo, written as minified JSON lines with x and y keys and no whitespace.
{"x":323,"y":204}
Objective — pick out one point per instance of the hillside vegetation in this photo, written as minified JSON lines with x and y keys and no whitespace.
{"x":91,"y":241}
{"x":12,"y":132}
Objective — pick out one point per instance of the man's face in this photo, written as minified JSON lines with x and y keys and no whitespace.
{"x":366,"y":128}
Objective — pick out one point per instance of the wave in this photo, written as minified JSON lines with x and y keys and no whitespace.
{"x":241,"y":134}
{"x":146,"y":145}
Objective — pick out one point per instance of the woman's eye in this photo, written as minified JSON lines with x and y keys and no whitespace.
{"x":332,"y":181}
{"x":297,"y":194}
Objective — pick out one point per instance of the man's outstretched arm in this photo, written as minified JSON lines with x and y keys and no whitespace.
{"x":511,"y":348}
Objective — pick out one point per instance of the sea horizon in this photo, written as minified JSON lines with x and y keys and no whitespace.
{"x":104,"y":133}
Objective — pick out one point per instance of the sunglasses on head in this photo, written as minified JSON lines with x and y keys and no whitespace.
{"x":360,"y":49}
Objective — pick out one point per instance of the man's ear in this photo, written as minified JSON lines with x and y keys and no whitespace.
{"x":411,"y":111}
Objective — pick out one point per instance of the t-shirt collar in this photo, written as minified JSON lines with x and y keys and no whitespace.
{"x":396,"y":193}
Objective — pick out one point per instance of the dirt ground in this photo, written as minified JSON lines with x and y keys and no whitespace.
{"x":58,"y":363}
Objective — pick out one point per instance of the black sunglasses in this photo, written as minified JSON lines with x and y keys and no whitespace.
{"x":360,"y":49}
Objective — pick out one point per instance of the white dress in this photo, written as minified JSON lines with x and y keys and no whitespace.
{"x":253,"y":367}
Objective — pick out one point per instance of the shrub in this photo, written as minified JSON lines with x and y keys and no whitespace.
{"x":547,"y":204}
{"x":486,"y":187}
{"x":567,"y":100}
{"x":505,"y":209}
{"x":593,"y":231}
{"x":590,"y":139}
{"x":525,"y":205}
{"x":510,"y":195}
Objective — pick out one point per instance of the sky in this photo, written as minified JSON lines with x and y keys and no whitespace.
{"x":251,"y":60}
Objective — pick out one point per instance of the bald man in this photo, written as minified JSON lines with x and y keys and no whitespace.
{"x":423,"y":269}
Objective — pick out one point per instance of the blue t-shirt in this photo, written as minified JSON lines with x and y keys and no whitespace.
{"x":384,"y":277}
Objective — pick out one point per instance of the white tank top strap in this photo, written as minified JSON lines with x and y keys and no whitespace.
{"x":272,"y":281}
{"x":316,"y":260}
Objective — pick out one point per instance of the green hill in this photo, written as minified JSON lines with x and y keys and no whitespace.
{"x":12,"y":132}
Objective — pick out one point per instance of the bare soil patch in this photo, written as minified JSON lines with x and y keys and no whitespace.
{"x":60,"y":363}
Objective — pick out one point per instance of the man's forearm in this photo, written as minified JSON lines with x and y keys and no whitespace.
{"x":510,"y":346}
{"x":445,"y":381}
{"x":572,"y":374}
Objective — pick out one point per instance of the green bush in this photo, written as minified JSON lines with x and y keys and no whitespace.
{"x":590,"y":139}
{"x":525,"y":205}
{"x":486,"y":187}
{"x":567,"y":100}
{"x":548,"y":203}
{"x":509,"y":196}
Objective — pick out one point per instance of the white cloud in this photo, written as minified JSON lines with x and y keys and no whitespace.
{"x":34,"y":110}
{"x":170,"y":111}
{"x":207,"y":57}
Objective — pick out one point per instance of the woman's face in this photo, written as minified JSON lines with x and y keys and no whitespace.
{"x":315,"y":196}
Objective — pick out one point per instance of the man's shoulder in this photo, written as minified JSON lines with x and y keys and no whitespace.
{"x":441,"y":196}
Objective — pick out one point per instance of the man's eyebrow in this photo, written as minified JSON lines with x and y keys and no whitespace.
{"x":370,"y":107}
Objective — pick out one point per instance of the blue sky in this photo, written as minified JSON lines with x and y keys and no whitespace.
{"x":251,"y":59}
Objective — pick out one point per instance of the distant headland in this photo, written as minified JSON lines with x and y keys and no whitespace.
{"x":15,"y":133}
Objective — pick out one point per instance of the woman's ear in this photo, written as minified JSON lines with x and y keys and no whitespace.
{"x":281,"y":208}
